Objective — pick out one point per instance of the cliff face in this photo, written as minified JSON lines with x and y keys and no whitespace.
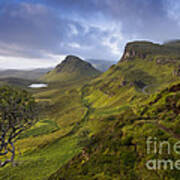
{"x":144,"y":49}
{"x":130,"y":53}
{"x":177,"y":71}
{"x":139,"y":49}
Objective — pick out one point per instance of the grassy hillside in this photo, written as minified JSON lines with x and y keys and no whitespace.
{"x":118,"y":149}
{"x":52,"y":141}
{"x":133,"y":77}
{"x":97,"y":128}
{"x":135,"y":99}
{"x":72,"y":68}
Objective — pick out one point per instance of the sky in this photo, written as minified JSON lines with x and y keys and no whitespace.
{"x":40,"y":33}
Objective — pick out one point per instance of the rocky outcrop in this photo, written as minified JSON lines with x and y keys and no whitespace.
{"x":139,"y":49}
{"x":165,"y":60}
{"x":177,"y":71}
{"x":175,"y":88}
{"x":148,"y":51}
{"x":130,"y":53}
{"x":124,"y":83}
{"x":139,"y":84}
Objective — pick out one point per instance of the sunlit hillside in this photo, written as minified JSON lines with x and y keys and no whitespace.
{"x":95,"y":128}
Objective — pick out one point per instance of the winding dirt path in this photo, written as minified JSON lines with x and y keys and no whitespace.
{"x":144,"y":88}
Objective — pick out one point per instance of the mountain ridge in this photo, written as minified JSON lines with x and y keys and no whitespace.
{"x":122,"y":115}
{"x":146,"y":49}
{"x":33,"y":74}
{"x":71,"y":68}
{"x":98,"y":129}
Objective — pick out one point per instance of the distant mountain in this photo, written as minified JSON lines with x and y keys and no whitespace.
{"x":24,"y":74}
{"x":72,"y":68}
{"x":173,"y":43}
{"x":16,"y":82}
{"x":102,"y":65}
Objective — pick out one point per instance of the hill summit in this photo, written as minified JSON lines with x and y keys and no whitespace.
{"x":148,"y":50}
{"x":72,"y":68}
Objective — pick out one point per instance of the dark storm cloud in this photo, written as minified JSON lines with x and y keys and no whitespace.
{"x":32,"y":27}
{"x":33,"y":30}
{"x":76,"y":6}
{"x":88,"y":28}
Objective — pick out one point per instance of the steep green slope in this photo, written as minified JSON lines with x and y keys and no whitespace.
{"x":119,"y":150}
{"x":48,"y":145}
{"x":72,"y":68}
{"x":98,"y":130}
{"x":138,"y":73}
{"x":53,"y":141}
{"x":133,"y":100}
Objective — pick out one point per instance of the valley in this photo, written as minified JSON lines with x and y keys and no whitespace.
{"x":94,"y":125}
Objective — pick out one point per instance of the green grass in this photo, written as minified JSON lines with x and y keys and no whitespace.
{"x":108,"y":119}
{"x":115,"y":132}
{"x":71,"y":69}
{"x":41,"y":128}
{"x":47,"y":146}
{"x":42,"y":162}
{"x":116,"y":144}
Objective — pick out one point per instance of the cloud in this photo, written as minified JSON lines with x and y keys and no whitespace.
{"x":74,"y":45}
{"x":24,"y":63}
{"x":141,"y":19}
{"x":30,"y":26}
{"x":74,"y":30}
{"x":173,"y":10}
{"x":31,"y":32}
{"x":42,"y":30}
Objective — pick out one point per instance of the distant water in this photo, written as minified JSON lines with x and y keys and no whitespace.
{"x":38,"y":85}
